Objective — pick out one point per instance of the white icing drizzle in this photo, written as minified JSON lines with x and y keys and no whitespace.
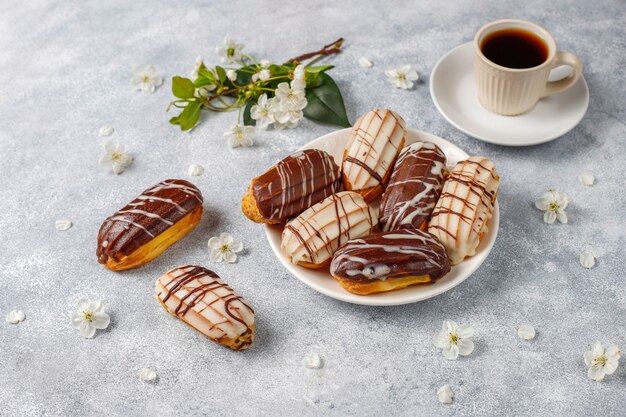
{"x":168,"y":185}
{"x":460,"y":217}
{"x":375,"y":141}
{"x":147,"y":214}
{"x":316,"y":234}
{"x":130,"y":222}
{"x":151,"y":198}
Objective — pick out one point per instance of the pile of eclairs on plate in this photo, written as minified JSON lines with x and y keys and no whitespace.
{"x":429,"y":217}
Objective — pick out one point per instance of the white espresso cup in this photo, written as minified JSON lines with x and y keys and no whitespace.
{"x":512,"y":91}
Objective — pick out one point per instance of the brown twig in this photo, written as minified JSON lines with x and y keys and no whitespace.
{"x":330,"y":49}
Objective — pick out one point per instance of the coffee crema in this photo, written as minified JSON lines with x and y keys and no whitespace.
{"x":514,"y":48}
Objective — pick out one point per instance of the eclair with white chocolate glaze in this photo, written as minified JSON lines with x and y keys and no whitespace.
{"x":461,"y":216}
{"x":311,"y":239}
{"x":149,"y":224}
{"x":414,"y":187}
{"x":374,"y":143}
{"x":201,"y":299}
{"x":389,"y":261}
{"x":291,"y":186}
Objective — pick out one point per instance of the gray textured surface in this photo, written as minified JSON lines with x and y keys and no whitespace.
{"x":64,"y":72}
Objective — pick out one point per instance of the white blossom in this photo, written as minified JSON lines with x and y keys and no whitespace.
{"x":402,"y":76}
{"x":445,"y":394}
{"x":204,"y":91}
{"x":586,"y":179}
{"x":289,"y":101}
{"x":364,"y":62}
{"x":195,"y":170}
{"x":601,"y":361}
{"x":312,"y":360}
{"x":15,"y":316}
{"x":115,"y":157}
{"x":526,"y":332}
{"x":63,"y":224}
{"x":146,"y":79}
{"x":89,"y":316}
{"x":193,"y":74}
{"x":454,"y":339}
{"x":587,"y":260}
{"x":230,"y":50}
{"x":553,"y":203}
{"x":231,"y":74}
{"x":263,"y":112}
{"x":146,"y":374}
{"x":239,"y":135}
{"x":225,"y":248}
{"x":105,"y":131}
{"x":299,"y":73}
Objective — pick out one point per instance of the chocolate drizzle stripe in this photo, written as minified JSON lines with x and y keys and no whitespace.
{"x":366,"y":167}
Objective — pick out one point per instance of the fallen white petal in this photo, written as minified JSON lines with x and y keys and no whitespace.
{"x":587,"y":260}
{"x":587,"y":179}
{"x":312,"y":360}
{"x":15,"y":316}
{"x":105,"y":131}
{"x":146,"y":374}
{"x":63,"y":224}
{"x":526,"y":332}
{"x":364,"y":62}
{"x":445,"y":394}
{"x":195,"y":170}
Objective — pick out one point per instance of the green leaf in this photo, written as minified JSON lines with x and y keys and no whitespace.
{"x":182,"y":87}
{"x":325,"y":103}
{"x":247,"y":119}
{"x":320,"y":68}
{"x":175,"y":120}
{"x":221,"y":73}
{"x":280,"y":69}
{"x":189,"y":116}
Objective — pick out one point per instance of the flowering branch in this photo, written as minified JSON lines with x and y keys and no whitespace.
{"x":265,"y":94}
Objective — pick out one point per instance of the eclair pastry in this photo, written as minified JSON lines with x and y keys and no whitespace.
{"x":460,"y":217}
{"x":291,"y":186}
{"x":201,"y":299}
{"x":149,"y":224}
{"x":311,"y":239}
{"x":374,"y":143}
{"x":414,"y":187}
{"x":389,"y":261}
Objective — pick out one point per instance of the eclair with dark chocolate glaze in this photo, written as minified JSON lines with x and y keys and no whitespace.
{"x":291,"y":186}
{"x":149,"y":224}
{"x":389,"y":261}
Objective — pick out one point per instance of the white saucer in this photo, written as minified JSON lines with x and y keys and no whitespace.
{"x":454,"y":93}
{"x":321,"y":280}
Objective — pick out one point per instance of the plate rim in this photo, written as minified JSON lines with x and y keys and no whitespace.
{"x":383,"y":300}
{"x":433,"y":96}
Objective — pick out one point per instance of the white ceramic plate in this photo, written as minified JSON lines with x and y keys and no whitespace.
{"x":321,"y":280}
{"x":453,"y":91}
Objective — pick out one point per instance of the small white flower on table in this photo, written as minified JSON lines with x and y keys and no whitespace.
{"x":230,"y":50}
{"x":553,"y":203}
{"x":526,"y":332}
{"x":89,"y":316}
{"x":115,"y":157}
{"x":105,"y":131}
{"x":445,"y":394}
{"x":263,"y":112}
{"x":455,"y":339}
{"x":312,"y":361}
{"x":239,"y":135}
{"x":364,"y":62}
{"x":586,"y":179}
{"x":195,"y":170}
{"x":63,"y":224}
{"x":225,"y":248}
{"x":15,"y":316}
{"x":402,"y":76}
{"x":587,"y":260}
{"x":146,"y":374}
{"x":601,"y":361}
{"x":146,"y":79}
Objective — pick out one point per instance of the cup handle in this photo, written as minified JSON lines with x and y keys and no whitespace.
{"x":564,"y":58}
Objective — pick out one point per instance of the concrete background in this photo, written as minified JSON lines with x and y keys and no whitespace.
{"x":65,"y":71}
